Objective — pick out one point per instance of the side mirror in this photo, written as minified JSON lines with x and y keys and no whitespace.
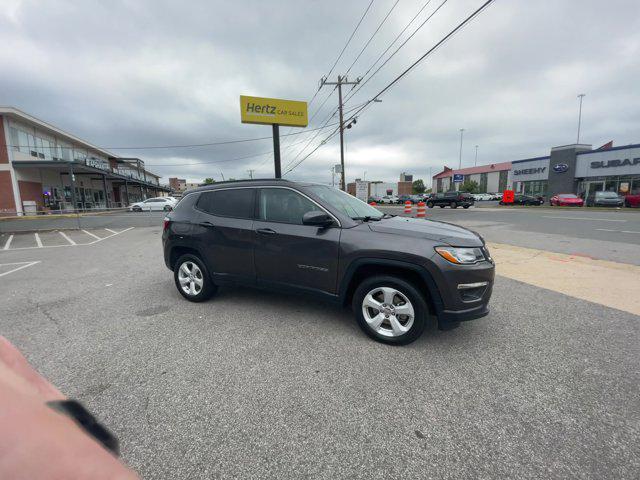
{"x":317,"y":218}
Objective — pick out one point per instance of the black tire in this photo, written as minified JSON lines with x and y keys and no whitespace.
{"x":441,"y":206}
{"x":466,"y":206}
{"x":208,"y":287}
{"x":430,"y":204}
{"x":408,"y":290}
{"x":136,"y":209}
{"x":453,"y":205}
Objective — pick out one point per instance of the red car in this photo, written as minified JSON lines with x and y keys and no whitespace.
{"x":632,"y":200}
{"x":566,"y":200}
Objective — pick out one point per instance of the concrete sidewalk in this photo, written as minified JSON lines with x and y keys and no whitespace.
{"x":611,"y":284}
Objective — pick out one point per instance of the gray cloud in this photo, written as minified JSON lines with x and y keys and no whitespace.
{"x":135,"y":73}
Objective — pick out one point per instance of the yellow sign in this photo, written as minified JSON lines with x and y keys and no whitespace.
{"x":289,"y":113}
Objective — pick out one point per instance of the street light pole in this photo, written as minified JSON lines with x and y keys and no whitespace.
{"x":580,"y":96}
{"x":475,"y":162}
{"x":460,"y":159}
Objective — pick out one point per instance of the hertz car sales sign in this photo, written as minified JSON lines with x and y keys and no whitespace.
{"x":289,"y":113}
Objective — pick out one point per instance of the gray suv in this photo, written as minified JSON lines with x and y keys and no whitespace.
{"x":395,"y":272}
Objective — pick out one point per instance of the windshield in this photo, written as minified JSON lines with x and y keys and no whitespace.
{"x":568,"y":196}
{"x":347,"y":204}
{"x":607,"y":194}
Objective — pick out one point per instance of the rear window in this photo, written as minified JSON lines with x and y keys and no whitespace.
{"x":568,"y":196}
{"x":236,"y":203}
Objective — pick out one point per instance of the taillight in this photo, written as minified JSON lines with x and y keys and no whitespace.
{"x":165,"y":224}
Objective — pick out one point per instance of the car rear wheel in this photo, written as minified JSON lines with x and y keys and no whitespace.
{"x":430,"y":204}
{"x":466,"y":206}
{"x":192,"y":279}
{"x":390,"y":310}
{"x":454,"y":205}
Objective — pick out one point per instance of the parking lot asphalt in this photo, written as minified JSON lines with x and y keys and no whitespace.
{"x":258,"y":385}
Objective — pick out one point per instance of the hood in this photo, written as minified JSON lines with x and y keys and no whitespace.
{"x":429,"y":229}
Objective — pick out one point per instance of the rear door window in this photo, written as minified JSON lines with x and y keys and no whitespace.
{"x":235,"y":203}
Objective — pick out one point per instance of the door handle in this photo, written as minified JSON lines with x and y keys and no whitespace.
{"x":265,"y":231}
{"x":206,"y":224}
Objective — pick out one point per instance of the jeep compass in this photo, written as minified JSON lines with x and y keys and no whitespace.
{"x":395,"y":272}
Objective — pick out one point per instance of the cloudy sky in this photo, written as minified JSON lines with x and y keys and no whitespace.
{"x":138,"y":73}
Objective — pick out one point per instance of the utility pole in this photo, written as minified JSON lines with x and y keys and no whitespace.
{"x":250,"y":172}
{"x":341,"y":81}
{"x":460,"y":159}
{"x":580,"y":96}
{"x":475,"y":162}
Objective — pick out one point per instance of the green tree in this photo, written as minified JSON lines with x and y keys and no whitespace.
{"x":209,"y":181}
{"x":470,"y":186}
{"x":418,"y":186}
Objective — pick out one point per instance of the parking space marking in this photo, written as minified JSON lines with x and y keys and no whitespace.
{"x":586,"y":218}
{"x":38,"y":241}
{"x":66,"y":237}
{"x":109,"y":230}
{"x":22,"y":265}
{"x":92,"y":235}
{"x":615,"y":231}
{"x":6,"y":245}
{"x":70,"y":243}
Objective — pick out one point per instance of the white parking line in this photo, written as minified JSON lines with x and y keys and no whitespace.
{"x":67,"y":238}
{"x":112,"y":231}
{"x":586,"y":218}
{"x":615,"y":231}
{"x":92,"y":235}
{"x":71,"y":242}
{"x":23,"y":265}
{"x":38,"y":241}
{"x":6,"y":245}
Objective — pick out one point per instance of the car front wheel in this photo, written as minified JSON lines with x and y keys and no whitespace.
{"x":454,"y":205}
{"x":390,"y":310}
{"x":192,"y":279}
{"x":430,"y":204}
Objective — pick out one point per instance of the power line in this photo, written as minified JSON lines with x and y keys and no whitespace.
{"x":323,"y":142}
{"x":442,"y":41}
{"x":219,"y":161}
{"x":336,"y":62}
{"x":372,"y":36}
{"x":397,"y":37}
{"x":351,"y":94}
{"x":349,"y":40}
{"x":461,"y":25}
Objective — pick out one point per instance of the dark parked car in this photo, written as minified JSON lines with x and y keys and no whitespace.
{"x":452,"y":199}
{"x":405,"y":198}
{"x":524,"y":200}
{"x":395,"y":272}
{"x":604,"y":199}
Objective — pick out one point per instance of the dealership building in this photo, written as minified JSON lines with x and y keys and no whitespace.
{"x":43,"y":168}
{"x":576,"y":168}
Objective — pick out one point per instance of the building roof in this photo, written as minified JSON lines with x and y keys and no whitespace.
{"x":12,"y":112}
{"x":492,"y":167}
{"x":15,"y":113}
{"x":446,"y":172}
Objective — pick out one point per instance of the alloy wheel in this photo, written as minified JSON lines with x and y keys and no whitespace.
{"x":190,"y":278}
{"x":388,"y":311}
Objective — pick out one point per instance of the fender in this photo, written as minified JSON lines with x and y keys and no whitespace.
{"x":424,"y":274}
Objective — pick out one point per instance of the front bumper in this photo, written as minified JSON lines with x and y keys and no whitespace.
{"x":459,"y":302}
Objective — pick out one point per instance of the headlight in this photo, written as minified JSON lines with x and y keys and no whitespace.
{"x":461,"y":256}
